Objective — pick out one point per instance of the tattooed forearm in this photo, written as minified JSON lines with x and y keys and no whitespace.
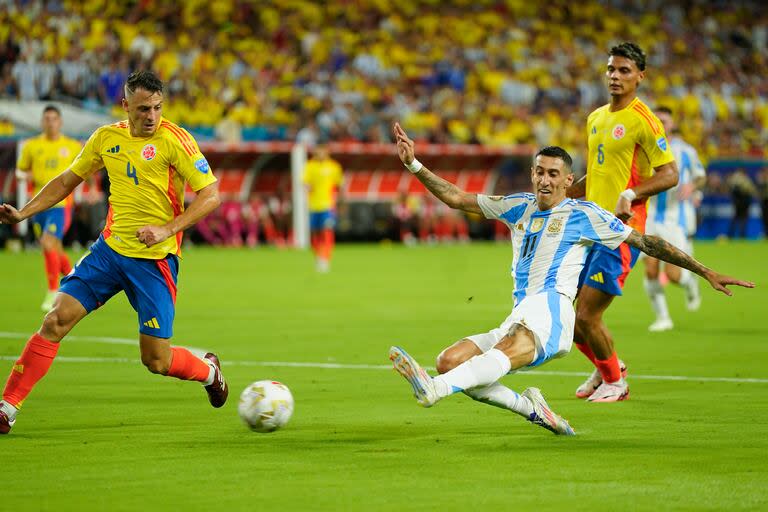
{"x":663,"y":250}
{"x":447,"y":192}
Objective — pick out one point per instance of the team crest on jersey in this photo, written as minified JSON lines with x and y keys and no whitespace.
{"x":202,"y":165}
{"x":617,"y":226}
{"x":618,"y":132}
{"x":64,"y":152}
{"x":555,"y":226}
{"x":536,"y":225}
{"x":148,"y":152}
{"x":662,"y":143}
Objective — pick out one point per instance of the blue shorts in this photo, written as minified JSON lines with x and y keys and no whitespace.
{"x":322,"y":220}
{"x":54,"y":222}
{"x":149,"y":284}
{"x":607,"y":269}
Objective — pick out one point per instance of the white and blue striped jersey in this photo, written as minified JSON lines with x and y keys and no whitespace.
{"x":550,"y":247}
{"x":665,"y":207}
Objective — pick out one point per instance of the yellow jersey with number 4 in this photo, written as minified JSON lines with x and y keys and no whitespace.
{"x":45,"y":159}
{"x":147,"y":176}
{"x":624,"y":148}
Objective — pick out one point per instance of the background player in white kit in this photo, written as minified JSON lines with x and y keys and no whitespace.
{"x":551,"y":236}
{"x":672,"y":216}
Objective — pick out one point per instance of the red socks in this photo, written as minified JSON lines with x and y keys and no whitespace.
{"x":186,"y":366}
{"x":32,"y":366}
{"x":52,"y":269}
{"x":56,"y":264}
{"x":327,"y":239}
{"x":584,"y":348}
{"x":65,"y":267}
{"x":609,"y":368}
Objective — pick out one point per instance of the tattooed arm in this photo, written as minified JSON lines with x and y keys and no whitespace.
{"x":663,"y":250}
{"x":442,"y":189}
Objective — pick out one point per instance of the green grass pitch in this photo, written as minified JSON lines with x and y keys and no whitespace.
{"x":101,"y":433}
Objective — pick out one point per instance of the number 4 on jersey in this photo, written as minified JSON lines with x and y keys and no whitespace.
{"x":131,"y":172}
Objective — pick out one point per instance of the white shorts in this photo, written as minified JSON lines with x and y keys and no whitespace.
{"x":549,"y":316}
{"x":672,"y":233}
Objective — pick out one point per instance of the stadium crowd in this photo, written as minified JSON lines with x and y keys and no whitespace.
{"x":468,"y":71}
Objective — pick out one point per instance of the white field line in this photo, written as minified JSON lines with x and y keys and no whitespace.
{"x":339,"y":366}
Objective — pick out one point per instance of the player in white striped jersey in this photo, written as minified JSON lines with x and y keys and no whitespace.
{"x":672,"y":216}
{"x":551,"y":237}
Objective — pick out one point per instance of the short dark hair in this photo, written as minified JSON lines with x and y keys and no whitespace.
{"x":51,"y":108}
{"x":630,"y":51}
{"x":663,"y":109}
{"x":556,"y":152}
{"x":146,"y":80}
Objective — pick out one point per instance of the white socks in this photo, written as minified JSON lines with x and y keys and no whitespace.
{"x":501,"y":396}
{"x":211,"y":374}
{"x":9,"y":410}
{"x":658,"y":300}
{"x":481,"y":370}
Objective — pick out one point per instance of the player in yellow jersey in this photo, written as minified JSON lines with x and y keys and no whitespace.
{"x":44,"y":157}
{"x":629,"y":160}
{"x":323,"y":179}
{"x":149,"y":161}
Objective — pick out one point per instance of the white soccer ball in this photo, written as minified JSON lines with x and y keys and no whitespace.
{"x":265,"y":405}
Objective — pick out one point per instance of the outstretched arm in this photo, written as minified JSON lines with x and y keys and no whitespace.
{"x":663,"y":250}
{"x":55,"y":191}
{"x":206,"y":201}
{"x":444,"y":190}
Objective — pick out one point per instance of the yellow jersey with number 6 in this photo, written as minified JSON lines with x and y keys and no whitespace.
{"x":147,"y":177}
{"x":624,"y":148}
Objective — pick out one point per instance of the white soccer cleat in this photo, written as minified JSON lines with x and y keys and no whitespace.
{"x":590,"y":385}
{"x":545,"y":417}
{"x":613,"y":392}
{"x":417,"y":377}
{"x":661,"y":324}
{"x":693,"y":295}
{"x":47,"y":304}
{"x":593,"y":382}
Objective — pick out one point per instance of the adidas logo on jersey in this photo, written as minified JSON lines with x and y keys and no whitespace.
{"x":152,"y":323}
{"x":597,"y":277}
{"x":114,"y":150}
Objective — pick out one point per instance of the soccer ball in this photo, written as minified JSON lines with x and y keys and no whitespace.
{"x":265,"y":405}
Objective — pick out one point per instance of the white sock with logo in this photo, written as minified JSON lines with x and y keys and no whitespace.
{"x":9,"y":410}
{"x":501,"y":396}
{"x":481,"y":370}
{"x":658,"y":300}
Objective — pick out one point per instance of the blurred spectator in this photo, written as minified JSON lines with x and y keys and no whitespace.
{"x":228,"y":129}
{"x":762,"y":190}
{"x":405,"y":213}
{"x":742,"y":192}
{"x":453,"y":73}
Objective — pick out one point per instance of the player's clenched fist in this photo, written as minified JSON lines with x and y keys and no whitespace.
{"x":151,"y":235}
{"x":9,"y":215}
